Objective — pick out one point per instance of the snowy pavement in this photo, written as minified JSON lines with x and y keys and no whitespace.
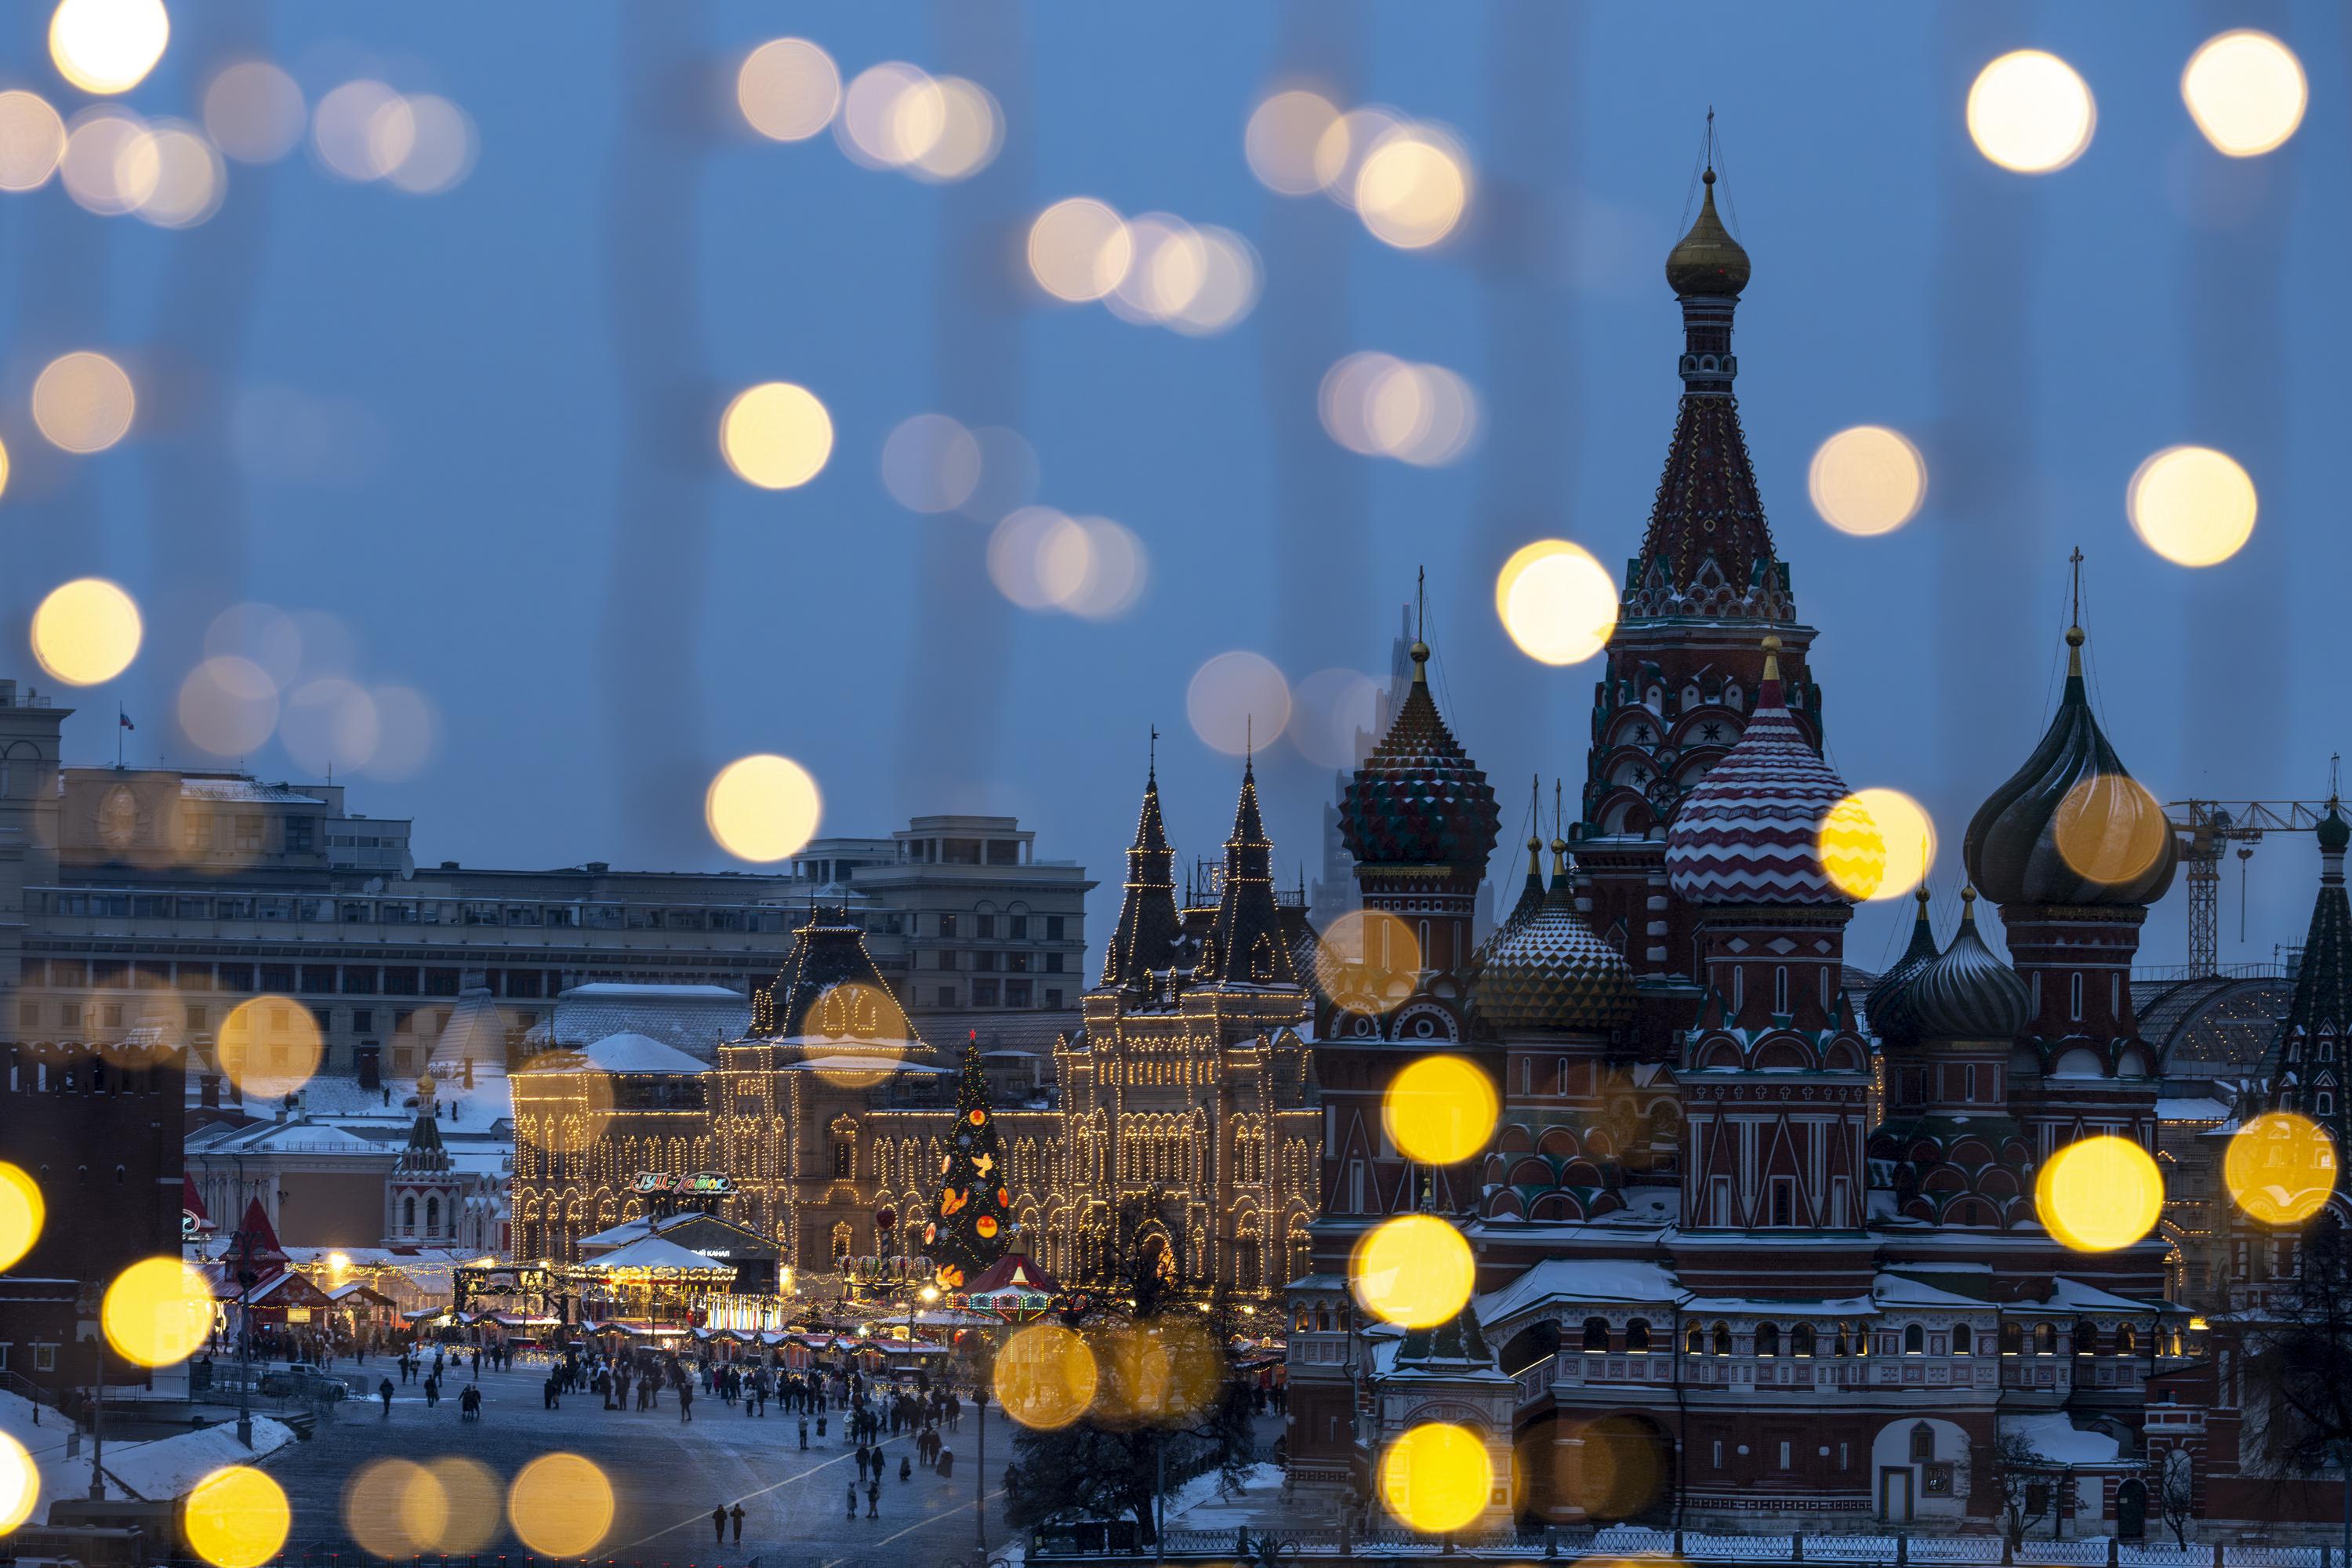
{"x":153,"y":1469}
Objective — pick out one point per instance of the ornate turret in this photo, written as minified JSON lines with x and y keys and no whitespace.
{"x":1148,"y":922}
{"x":1966,"y":993}
{"x":1708,"y":260}
{"x":2072,"y":826}
{"x":2308,"y":1062}
{"x":828,"y":990}
{"x":1552,"y":973}
{"x":1757,"y":828}
{"x":1245,"y":945}
{"x":1419,"y":800}
{"x":1889,"y":1018}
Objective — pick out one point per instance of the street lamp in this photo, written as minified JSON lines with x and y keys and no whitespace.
{"x":980,"y":1468}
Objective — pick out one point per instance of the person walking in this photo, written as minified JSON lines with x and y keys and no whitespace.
{"x":719,"y":1525}
{"x":873,"y":1498}
{"x":685,"y":1402}
{"x":736,"y":1513}
{"x":433,"y":1391}
{"x":853,"y":1500}
{"x":803,"y":1434}
{"x":820,"y":1424}
{"x":946,"y":1465}
{"x":384,"y":1392}
{"x":905,"y":1470}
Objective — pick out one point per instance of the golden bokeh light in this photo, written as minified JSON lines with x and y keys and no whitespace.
{"x":788,"y":89}
{"x":930,"y":463}
{"x":1115,"y":571}
{"x":1556,"y":601}
{"x":396,"y":1507}
{"x":1415,"y":1271}
{"x":2098,"y":1193}
{"x":32,"y":140}
{"x":1332,"y":715}
{"x":1440,"y":1111}
{"x":2246,"y":92}
{"x":83,"y":402}
{"x":2281,"y":1168}
{"x":1877,"y":844}
{"x":891,"y":115}
{"x":1346,"y":143}
{"x":1435,"y":1477}
{"x":1079,"y":249}
{"x":1867,"y":479}
{"x":1045,"y":1376}
{"x":1237,"y":700}
{"x":470,"y":1494}
{"x":762,"y":808}
{"x":1281,"y":137}
{"x":109,"y":165}
{"x":1229,"y":285}
{"x":1038,"y":557}
{"x":2192,"y":505}
{"x":1381,"y":406}
{"x":328,"y":725}
{"x":776,"y":436}
{"x":361,"y":128}
{"x":254,"y":112}
{"x":2031,"y":112}
{"x":271,"y":1047}
{"x":2108,"y":828}
{"x":436,"y":145}
{"x":1368,"y":961}
{"x":1412,"y":188}
{"x":190,"y":181}
{"x":22,"y":1212}
{"x":157,"y":1312}
{"x":108,"y":46}
{"x":1168,"y":269}
{"x":228,"y":706}
{"x":1155,"y":1373}
{"x":561,"y":1505}
{"x":236,"y":1517}
{"x":971,"y":129}
{"x":86,"y":631}
{"x":20,"y":1484}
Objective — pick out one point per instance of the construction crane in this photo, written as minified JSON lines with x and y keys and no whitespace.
{"x":2207,"y":830}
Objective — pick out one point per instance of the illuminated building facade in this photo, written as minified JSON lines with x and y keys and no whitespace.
{"x":1724,"y":1280}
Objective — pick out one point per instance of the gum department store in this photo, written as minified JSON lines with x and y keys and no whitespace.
{"x":1756,"y":1239}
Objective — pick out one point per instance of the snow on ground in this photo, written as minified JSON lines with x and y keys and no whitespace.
{"x":1198,"y":1505}
{"x":152,"y":1468}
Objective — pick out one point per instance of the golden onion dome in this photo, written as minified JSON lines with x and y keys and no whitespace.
{"x":1708,"y":260}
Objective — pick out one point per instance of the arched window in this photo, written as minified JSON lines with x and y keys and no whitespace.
{"x":408,"y":1213}
{"x":1781,"y":988}
{"x":1596,"y":1335}
{"x":1723,"y":1339}
{"x":1767,"y":1339}
{"x":1800,"y":1340}
{"x":1837,"y":1345}
{"x":2074,"y":994}
{"x":2013,"y":1339}
{"x":2086,"y":1338}
{"x":2127,"y":1341}
{"x":432,"y":1217}
{"x":2045,"y":1338}
{"x":1923,"y":1443}
{"x":1915,"y":1340}
{"x":1637,"y":1336}
{"x":1694,"y":1342}
{"x":1964,"y":1340}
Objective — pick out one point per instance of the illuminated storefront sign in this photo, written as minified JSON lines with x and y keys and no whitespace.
{"x":694,"y":1184}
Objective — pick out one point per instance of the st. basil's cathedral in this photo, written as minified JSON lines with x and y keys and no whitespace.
{"x":1753,"y":1251}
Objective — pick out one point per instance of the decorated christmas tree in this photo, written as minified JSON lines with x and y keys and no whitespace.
{"x":975,"y":1214}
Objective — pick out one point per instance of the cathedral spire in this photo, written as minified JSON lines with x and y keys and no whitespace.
{"x":1245,"y":945}
{"x":1147,"y":924}
{"x":2307,"y":1068}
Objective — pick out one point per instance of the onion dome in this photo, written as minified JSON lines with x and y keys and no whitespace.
{"x":2335,"y":833}
{"x":2072,"y":826}
{"x":1889,"y":1014}
{"x":1708,"y":260}
{"x":1552,"y":973}
{"x":1968,"y":994}
{"x":1755,"y":829}
{"x":1419,"y":800}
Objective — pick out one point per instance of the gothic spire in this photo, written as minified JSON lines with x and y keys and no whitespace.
{"x":2306,"y":1057}
{"x":1245,"y":945}
{"x":1147,"y":924}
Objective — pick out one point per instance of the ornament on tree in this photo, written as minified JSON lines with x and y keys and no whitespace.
{"x":974,"y":1211}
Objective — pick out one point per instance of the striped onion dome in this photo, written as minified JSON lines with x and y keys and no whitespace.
{"x":1888,"y":1004}
{"x":1755,"y":829}
{"x":1966,"y":993}
{"x":1552,"y":973}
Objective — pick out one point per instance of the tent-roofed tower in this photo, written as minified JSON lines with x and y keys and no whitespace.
{"x":1245,"y":945}
{"x":1145,"y":941}
{"x":1683,"y":667}
{"x":2307,"y":1065}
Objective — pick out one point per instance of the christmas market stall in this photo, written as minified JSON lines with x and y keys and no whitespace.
{"x":652,"y":1284}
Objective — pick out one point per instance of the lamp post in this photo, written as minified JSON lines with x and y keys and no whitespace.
{"x":245,"y":1282}
{"x":97,"y":1418}
{"x":980,"y":1468}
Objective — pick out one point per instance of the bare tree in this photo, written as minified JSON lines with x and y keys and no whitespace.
{"x":2176,"y":1492}
{"x":2027,"y":1490}
{"x":2298,"y":1361}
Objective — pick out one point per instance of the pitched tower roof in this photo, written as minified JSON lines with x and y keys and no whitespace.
{"x":2323,"y":985}
{"x":1245,"y":946}
{"x":1418,"y":799}
{"x":828,"y":986}
{"x":1148,"y":921}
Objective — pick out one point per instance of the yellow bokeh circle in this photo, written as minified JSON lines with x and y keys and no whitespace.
{"x":22,"y":1211}
{"x":236,"y":1518}
{"x":1415,"y":1271}
{"x":1164,"y":1372}
{"x":469,"y":1504}
{"x":1371,"y":961}
{"x":1436,"y":1477}
{"x":776,"y":436}
{"x":2098,"y":1193}
{"x":108,"y":46}
{"x":86,"y":631}
{"x":271,"y":1047}
{"x":1045,"y":1376}
{"x":1080,"y":250}
{"x":2192,"y":505}
{"x":1440,"y":1111}
{"x":2246,"y":92}
{"x":1559,"y":603}
{"x":20,"y":1484}
{"x":1412,"y":188}
{"x":2281,"y":1168}
{"x":157,"y":1312}
{"x":561,"y":1505}
{"x":2109,"y":830}
{"x":762,"y":808}
{"x":2031,"y":112}
{"x":1852,"y":849}
{"x":395,"y":1508}
{"x":1867,"y":479}
{"x":1877,"y":844}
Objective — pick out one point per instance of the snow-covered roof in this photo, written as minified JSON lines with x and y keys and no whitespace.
{"x":888,"y":1064}
{"x":296,"y":1135}
{"x":696,"y":1019}
{"x":1775,"y":1307}
{"x":622,"y":1053}
{"x":246,"y":790}
{"x":652,"y":1252}
{"x":2058,"y":1439}
{"x":621,"y":1234}
{"x":2198,"y":1108}
{"x":1563,"y":1279}
{"x":1896,"y":1291}
{"x":2074,"y":1295}
{"x":600,"y":990}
